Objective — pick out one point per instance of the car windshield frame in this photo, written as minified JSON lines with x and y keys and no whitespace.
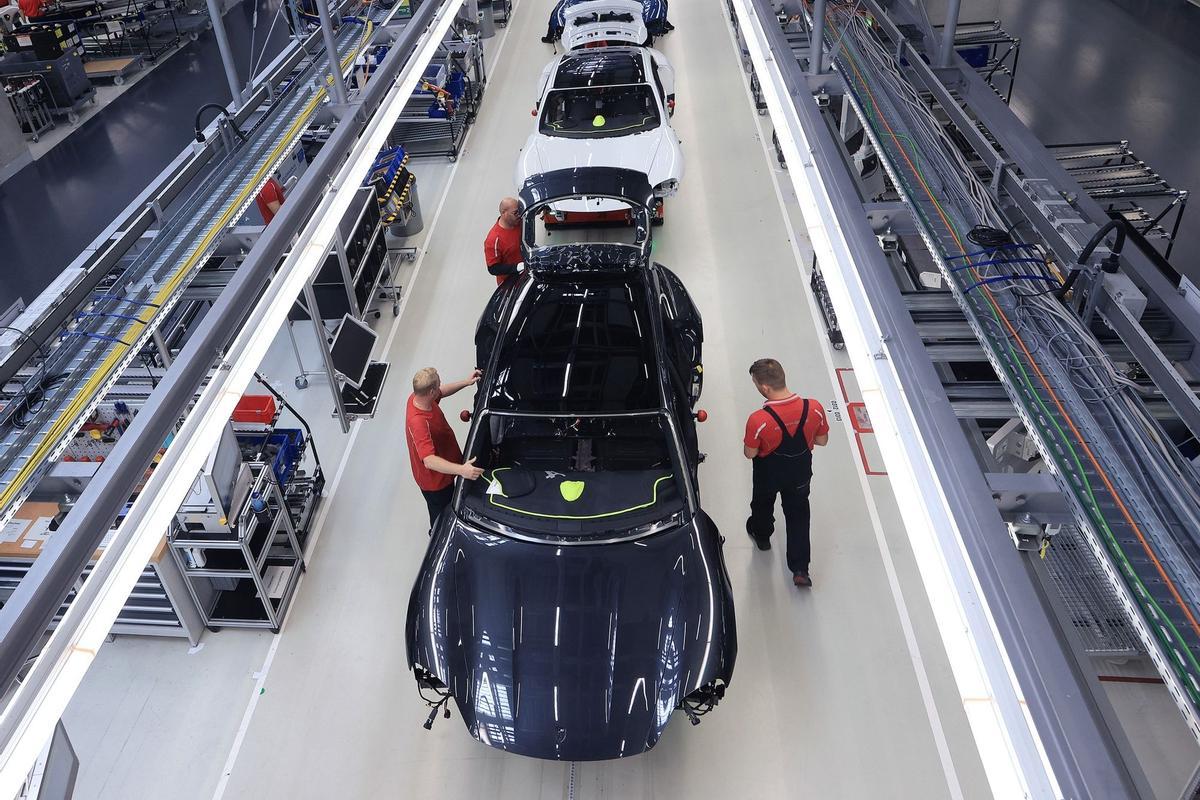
{"x":468,"y":506}
{"x":645,"y":124}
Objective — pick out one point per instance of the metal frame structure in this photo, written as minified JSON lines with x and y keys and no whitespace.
{"x":1048,"y":730}
{"x":236,"y":333}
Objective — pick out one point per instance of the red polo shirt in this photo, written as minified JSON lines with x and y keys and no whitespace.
{"x":502,"y":246}
{"x":429,"y":434}
{"x":762,"y":431}
{"x":271,"y":193}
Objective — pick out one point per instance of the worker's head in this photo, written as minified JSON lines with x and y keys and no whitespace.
{"x":510,"y":212}
{"x":427,"y":384}
{"x":767,"y":374}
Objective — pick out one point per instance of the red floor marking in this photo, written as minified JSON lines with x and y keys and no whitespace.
{"x":860,"y":422}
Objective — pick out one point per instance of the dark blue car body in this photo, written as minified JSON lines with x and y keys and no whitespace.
{"x":571,"y":625}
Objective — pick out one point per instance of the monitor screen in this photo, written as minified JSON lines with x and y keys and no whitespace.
{"x":351,"y":350}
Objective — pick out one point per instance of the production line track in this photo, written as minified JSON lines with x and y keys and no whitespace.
{"x":1141,"y":527}
{"x":109,"y":332}
{"x":853,"y":667}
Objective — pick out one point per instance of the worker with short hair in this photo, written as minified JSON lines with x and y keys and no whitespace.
{"x":779,"y":441}
{"x":502,"y":247}
{"x":432,"y":449}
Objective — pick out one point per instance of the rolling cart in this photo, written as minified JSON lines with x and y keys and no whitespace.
{"x":31,"y":104}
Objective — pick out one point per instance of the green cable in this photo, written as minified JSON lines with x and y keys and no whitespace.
{"x":1115,"y":545}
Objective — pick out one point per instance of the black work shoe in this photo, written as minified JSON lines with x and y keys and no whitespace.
{"x":802,"y":580}
{"x":548,"y":39}
{"x":759,"y":542}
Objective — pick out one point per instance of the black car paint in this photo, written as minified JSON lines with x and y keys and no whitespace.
{"x":580,"y":650}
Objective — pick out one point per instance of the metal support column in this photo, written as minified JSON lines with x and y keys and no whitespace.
{"x":164,"y":352}
{"x":816,"y":47}
{"x":335,"y":71}
{"x":310,"y":299}
{"x":947,"y":54}
{"x":231,"y":74}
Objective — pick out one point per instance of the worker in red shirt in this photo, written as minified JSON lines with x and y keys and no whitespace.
{"x":432,"y":449}
{"x":502,"y":247}
{"x":779,"y":439}
{"x":269,"y":199}
{"x":32,"y":9}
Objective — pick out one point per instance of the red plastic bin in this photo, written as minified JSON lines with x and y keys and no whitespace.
{"x":255,"y":408}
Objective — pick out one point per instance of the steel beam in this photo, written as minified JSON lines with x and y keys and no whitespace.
{"x":948,"y":32}
{"x":335,"y":71}
{"x":1151,"y":356}
{"x":231,"y":74}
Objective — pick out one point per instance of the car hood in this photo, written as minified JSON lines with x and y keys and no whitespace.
{"x":656,"y":154}
{"x":572,"y":652}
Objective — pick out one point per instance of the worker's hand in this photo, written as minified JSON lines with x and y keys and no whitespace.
{"x":520,"y":267}
{"x":475,"y":375}
{"x":469,"y":471}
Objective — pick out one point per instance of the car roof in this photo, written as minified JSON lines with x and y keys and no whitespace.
{"x":600,"y":66}
{"x":583,"y":345}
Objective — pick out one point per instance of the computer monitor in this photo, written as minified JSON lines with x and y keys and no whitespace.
{"x":351,"y":351}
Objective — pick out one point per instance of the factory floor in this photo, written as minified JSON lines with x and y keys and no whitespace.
{"x":55,"y":206}
{"x":843,"y":691}
{"x":853,"y":666}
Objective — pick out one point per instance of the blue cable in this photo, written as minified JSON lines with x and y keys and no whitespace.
{"x":1000,"y":278}
{"x":989,"y":251}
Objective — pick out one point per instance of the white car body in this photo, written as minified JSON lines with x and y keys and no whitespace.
{"x":655,"y":152}
{"x":611,"y":21}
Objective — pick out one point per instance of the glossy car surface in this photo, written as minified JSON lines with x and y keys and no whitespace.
{"x":605,"y":107}
{"x":598,"y":22}
{"x":653,"y":15}
{"x":576,"y":595}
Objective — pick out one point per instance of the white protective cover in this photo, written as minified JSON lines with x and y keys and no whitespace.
{"x":575,"y":36}
{"x":655,"y":153}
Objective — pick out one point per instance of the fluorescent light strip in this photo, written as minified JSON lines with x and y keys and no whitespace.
{"x":1009,"y":747}
{"x":89,"y":619}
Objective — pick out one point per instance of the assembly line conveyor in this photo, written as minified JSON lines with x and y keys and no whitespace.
{"x":107,"y":331}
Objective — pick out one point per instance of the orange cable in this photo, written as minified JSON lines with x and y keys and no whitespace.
{"x":1053,"y":395}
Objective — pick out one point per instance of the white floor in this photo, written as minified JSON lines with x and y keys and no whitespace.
{"x":826,"y":699}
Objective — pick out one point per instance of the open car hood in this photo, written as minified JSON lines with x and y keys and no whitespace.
{"x":545,"y":186}
{"x":611,"y":21}
{"x":574,"y":652}
{"x":655,"y":155}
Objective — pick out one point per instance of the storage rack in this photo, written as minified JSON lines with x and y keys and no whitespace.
{"x":246,"y":578}
{"x":991,"y":51}
{"x":435,"y":119}
{"x":354,"y":291}
{"x":158,"y":606}
{"x":1113,"y":175}
{"x":127,"y":27}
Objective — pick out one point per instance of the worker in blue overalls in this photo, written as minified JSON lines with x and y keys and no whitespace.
{"x":779,"y":440}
